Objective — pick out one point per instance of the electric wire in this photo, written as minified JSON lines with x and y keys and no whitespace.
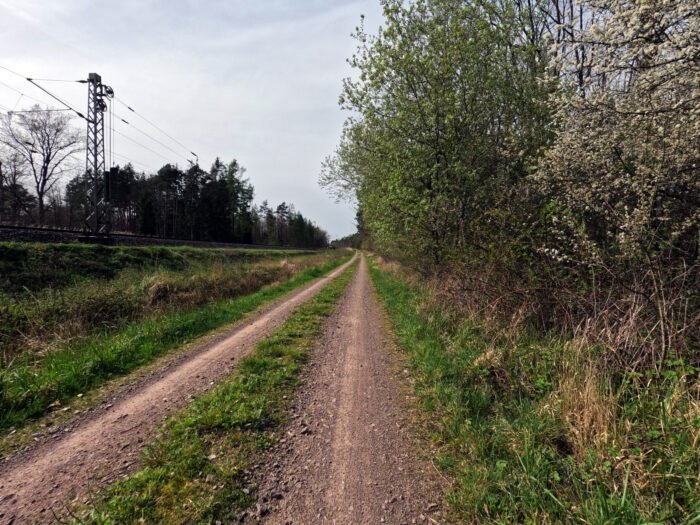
{"x":111,"y":133}
{"x":108,"y":145}
{"x":25,"y":95}
{"x":141,"y":145}
{"x":51,"y":110}
{"x":131,"y":161}
{"x":150,"y":136}
{"x":13,"y":72}
{"x":55,"y":97}
{"x":60,"y":80}
{"x":19,"y":99}
{"x":112,"y":115}
{"x":58,"y":99}
{"x":156,"y":127}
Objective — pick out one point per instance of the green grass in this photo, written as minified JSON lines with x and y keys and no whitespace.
{"x":194,"y":471}
{"x":533,"y":431}
{"x":32,"y":322}
{"x":55,"y":292}
{"x":28,"y":386}
{"x":30,"y":267}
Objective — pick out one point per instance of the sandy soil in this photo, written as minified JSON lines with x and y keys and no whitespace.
{"x":347,"y":456}
{"x":106,"y":444}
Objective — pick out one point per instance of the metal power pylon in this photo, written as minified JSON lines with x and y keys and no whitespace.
{"x":98,"y":220}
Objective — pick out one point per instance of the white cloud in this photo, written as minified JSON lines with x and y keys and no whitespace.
{"x":258,"y":81}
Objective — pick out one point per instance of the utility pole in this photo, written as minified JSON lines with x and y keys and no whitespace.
{"x":99,"y":219}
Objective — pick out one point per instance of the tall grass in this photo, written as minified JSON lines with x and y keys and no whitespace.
{"x":28,"y":385}
{"x":34,"y":266}
{"x":534,"y":429}
{"x":52,"y":293}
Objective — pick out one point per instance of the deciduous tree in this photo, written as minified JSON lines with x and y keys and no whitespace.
{"x":47,"y":144}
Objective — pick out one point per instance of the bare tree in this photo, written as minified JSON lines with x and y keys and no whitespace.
{"x":46,"y":143}
{"x":15,"y":201}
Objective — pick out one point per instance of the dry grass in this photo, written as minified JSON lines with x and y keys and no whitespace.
{"x":35,"y":323}
{"x":583,"y":401}
{"x":547,"y":427}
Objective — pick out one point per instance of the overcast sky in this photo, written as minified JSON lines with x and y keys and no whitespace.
{"x":257,"y":80}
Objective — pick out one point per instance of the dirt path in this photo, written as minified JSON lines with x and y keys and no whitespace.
{"x":108,"y":442}
{"x":346,"y":457}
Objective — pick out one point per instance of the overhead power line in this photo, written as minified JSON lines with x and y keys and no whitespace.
{"x":68,"y":107}
{"x":127,"y":137}
{"x":22,"y":93}
{"x":122,"y":119}
{"x":52,"y":95}
{"x":51,"y":110}
{"x":13,"y":72}
{"x":58,"y":99}
{"x":131,"y":161}
{"x":156,"y":127}
{"x":60,"y":80}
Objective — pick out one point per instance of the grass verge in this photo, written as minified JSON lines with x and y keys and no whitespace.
{"x":30,"y":267}
{"x":194,"y":471}
{"x":532,"y":430}
{"x":27,"y":389}
{"x":77,"y":291}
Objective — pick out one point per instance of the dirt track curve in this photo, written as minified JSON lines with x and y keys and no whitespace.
{"x":346,"y":457}
{"x":108,"y":442}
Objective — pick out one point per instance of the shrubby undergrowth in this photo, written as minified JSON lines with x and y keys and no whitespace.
{"x":536,"y":429}
{"x":538,"y":165}
{"x":541,"y":158}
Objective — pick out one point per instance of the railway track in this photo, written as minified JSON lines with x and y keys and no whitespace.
{"x":55,"y":235}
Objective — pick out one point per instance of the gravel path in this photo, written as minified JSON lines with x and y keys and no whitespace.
{"x":346,"y":456}
{"x":107,"y":442}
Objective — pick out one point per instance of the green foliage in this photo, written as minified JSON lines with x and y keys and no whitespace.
{"x":33,"y":267}
{"x":54,"y":293}
{"x":626,"y":153}
{"x":533,"y":431}
{"x":214,"y":205}
{"x":543,"y":155}
{"x":447,"y":110}
{"x":28,"y":384}
{"x":194,"y":471}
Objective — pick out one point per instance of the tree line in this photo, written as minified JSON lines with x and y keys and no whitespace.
{"x":40,"y":183}
{"x":544,"y":153}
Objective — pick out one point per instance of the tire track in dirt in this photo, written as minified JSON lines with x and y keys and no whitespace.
{"x":346,"y":457}
{"x":107,"y":443}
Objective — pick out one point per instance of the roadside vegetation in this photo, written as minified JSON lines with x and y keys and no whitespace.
{"x":534,"y":428}
{"x":537,"y":166}
{"x":100,"y":312}
{"x":196,"y":470}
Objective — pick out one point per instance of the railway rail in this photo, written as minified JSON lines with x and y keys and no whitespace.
{"x":54,"y":235}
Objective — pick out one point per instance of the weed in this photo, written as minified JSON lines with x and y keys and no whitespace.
{"x":29,"y":385}
{"x":52,"y":293}
{"x":534,"y":430}
{"x":196,"y":469}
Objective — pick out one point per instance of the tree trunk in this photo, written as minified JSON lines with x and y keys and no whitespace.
{"x":40,"y":202}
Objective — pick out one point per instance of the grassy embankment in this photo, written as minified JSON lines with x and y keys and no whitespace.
{"x":532,"y":430}
{"x":95,"y":312}
{"x":195,"y":470}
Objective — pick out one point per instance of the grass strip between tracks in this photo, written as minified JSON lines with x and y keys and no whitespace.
{"x":27,"y":391}
{"x":195,"y":470}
